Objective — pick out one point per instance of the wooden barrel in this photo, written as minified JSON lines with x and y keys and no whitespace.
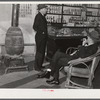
{"x":14,"y":42}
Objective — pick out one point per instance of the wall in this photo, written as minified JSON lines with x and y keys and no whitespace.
{"x":5,"y":21}
{"x":24,"y":23}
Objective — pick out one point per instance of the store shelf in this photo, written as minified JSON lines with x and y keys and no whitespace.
{"x":92,"y":16}
{"x":66,"y":37}
{"x":79,"y":26}
{"x":75,"y":26}
{"x":72,"y":6}
{"x":54,"y":13}
{"x":55,"y":4}
{"x":92,"y":8}
{"x":71,"y":14}
{"x":80,"y":6}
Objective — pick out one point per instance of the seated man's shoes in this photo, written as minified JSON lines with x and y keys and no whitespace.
{"x":43,"y":67}
{"x":50,"y":80}
{"x":45,"y":74}
{"x":53,"y":81}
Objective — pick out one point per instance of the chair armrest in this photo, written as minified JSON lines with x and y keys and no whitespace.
{"x":81,"y":60}
{"x":70,"y":49}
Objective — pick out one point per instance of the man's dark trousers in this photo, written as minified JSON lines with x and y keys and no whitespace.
{"x":40,"y":51}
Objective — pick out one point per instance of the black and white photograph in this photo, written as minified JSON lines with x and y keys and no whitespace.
{"x":50,"y":46}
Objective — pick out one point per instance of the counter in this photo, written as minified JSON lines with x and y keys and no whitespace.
{"x":61,"y":43}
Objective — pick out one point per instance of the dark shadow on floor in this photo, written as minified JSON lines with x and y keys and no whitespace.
{"x":30,"y":65}
{"x":96,"y":81}
{"x":20,"y":82}
{"x":53,"y":86}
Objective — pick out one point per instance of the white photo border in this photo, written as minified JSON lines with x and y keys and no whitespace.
{"x":49,"y":93}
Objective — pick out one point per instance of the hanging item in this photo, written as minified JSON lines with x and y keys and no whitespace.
{"x":83,"y":12}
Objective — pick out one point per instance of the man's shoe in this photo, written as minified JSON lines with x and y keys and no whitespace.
{"x":46,"y":74}
{"x":53,"y":82}
{"x":50,"y":80}
{"x":43,"y":67}
{"x":39,"y":70}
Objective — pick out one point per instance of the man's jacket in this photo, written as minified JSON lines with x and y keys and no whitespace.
{"x":85,"y":51}
{"x":40,"y":25}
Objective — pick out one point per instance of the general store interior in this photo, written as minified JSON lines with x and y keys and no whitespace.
{"x":65,"y":26}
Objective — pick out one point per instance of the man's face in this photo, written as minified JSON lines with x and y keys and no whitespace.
{"x":44,"y":10}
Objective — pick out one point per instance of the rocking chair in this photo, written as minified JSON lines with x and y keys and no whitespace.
{"x":82,"y":68}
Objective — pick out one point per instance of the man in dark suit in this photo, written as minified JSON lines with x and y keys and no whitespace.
{"x":40,"y":26}
{"x":90,"y":46}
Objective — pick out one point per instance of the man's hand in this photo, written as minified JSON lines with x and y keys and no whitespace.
{"x":84,"y":43}
{"x":73,"y":53}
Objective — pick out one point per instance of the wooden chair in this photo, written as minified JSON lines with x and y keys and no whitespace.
{"x":82,"y":68}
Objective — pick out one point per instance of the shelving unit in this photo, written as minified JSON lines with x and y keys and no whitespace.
{"x":94,"y":13}
{"x":65,"y":25}
{"x":54,"y":13}
{"x":64,"y":13}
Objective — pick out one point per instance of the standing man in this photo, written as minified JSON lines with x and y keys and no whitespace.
{"x":40,"y":26}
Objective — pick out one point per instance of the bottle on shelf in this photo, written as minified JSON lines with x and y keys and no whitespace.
{"x":58,"y":10}
{"x":53,"y":19}
{"x":50,"y":9}
{"x":53,"y":9}
{"x":83,"y":13}
{"x":47,"y":17}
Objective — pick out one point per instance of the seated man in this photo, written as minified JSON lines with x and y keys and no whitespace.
{"x":89,"y":47}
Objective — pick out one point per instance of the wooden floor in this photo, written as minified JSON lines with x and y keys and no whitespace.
{"x":28,"y":79}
